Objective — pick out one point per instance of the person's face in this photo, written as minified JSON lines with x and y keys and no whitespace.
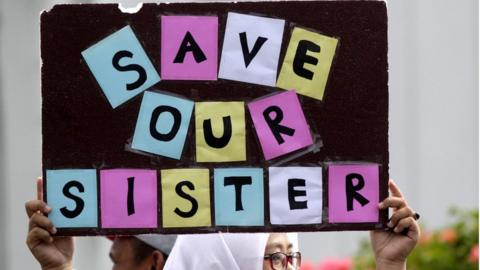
{"x":123,"y":258}
{"x":277,"y":242}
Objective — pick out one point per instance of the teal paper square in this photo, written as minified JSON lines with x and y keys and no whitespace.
{"x":252,"y":198}
{"x":143,"y":139}
{"x":56,"y":180}
{"x":132,"y":58}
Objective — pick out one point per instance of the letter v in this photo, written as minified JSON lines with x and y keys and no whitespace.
{"x":249,"y":55}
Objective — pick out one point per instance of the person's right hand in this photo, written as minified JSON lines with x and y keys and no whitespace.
{"x":53,"y":253}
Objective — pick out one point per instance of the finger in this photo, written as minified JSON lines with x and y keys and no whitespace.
{"x":413,"y":230}
{"x":38,"y":220}
{"x":36,"y":236}
{"x":394,"y":202}
{"x":39,"y":188}
{"x":399,"y":215}
{"x":394,"y":189}
{"x":35,"y":206}
{"x":410,"y":224}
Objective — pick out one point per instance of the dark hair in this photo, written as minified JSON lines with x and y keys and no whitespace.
{"x":141,"y":250}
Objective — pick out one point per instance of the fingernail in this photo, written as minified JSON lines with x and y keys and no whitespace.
{"x":380,"y":205}
{"x":397,"y":229}
{"x":48,"y":209}
{"x":390,"y":224}
{"x":54,"y":230}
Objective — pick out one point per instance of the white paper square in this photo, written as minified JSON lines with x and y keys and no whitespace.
{"x":280,"y":212}
{"x":263,"y":67}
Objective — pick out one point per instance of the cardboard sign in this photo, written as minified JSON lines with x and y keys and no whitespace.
{"x":292,"y":137}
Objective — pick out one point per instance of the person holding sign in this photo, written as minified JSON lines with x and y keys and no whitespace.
{"x":276,"y":251}
{"x":148,"y":252}
{"x":279,"y":251}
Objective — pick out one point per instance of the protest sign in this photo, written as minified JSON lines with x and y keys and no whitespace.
{"x":205,"y":117}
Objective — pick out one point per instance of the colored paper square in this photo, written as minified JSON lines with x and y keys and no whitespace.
{"x":191,"y":208}
{"x":307,"y":63}
{"x":121,"y":66}
{"x":197,"y":34}
{"x":128,"y":198}
{"x":295,"y":195}
{"x":251,"y":49}
{"x":239,"y":197}
{"x":72,"y":195}
{"x":162,"y":124}
{"x":285,"y":110}
{"x":362,"y":210}
{"x":212,"y":122}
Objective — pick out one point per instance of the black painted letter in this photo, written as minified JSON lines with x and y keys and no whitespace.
{"x":142,"y":74}
{"x":80,"y":204}
{"x":130,"y":201}
{"x":292,"y":193}
{"x":238,"y":182}
{"x":274,"y":124}
{"x":249,"y":55}
{"x":301,"y":57}
{"x":189,"y":45}
{"x":184,"y":195}
{"x":351,"y":190}
{"x":177,"y":119}
{"x":213,"y":141}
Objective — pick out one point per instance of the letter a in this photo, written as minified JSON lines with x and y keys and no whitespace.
{"x":189,"y":45}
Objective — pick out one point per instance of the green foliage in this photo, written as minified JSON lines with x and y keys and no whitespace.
{"x":450,"y":248}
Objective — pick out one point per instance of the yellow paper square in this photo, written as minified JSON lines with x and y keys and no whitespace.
{"x":235,"y":150}
{"x":290,"y":80}
{"x":171,"y":200}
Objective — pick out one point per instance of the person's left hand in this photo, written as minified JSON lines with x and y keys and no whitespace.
{"x":392,"y":247}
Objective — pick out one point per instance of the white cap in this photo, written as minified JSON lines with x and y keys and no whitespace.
{"x":162,"y":242}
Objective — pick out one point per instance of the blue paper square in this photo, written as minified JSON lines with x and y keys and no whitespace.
{"x":228,"y":211}
{"x":79,"y":185}
{"x":121,"y":66}
{"x":162,"y":108}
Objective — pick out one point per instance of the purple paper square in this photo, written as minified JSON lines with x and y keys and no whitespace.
{"x":285,"y":110}
{"x":364,"y":180}
{"x":178,"y":30}
{"x":118,"y":190}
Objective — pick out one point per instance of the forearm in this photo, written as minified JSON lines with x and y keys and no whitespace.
{"x":391,"y":265}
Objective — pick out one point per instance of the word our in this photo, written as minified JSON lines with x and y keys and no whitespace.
{"x":189,"y":51}
{"x":220,"y":130}
{"x":130,"y":198}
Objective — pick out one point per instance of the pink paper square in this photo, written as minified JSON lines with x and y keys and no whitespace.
{"x":293,"y":118}
{"x":337,"y":194}
{"x":114,"y":198}
{"x":204,"y":30}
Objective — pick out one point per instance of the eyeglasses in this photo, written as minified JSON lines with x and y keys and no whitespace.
{"x":280,"y":260}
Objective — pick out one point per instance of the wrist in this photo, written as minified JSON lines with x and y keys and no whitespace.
{"x":66,"y":266}
{"x":383,"y":264}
